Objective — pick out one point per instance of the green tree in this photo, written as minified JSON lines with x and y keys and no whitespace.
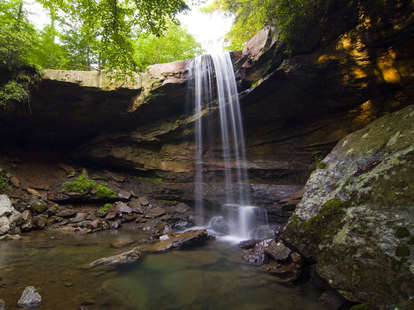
{"x":175,"y":44}
{"x":253,"y":15}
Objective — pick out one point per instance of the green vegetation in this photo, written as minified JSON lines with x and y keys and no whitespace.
{"x":362,"y":307}
{"x":102,"y":190}
{"x":84,"y":185}
{"x":251,"y":16}
{"x":149,"y":179}
{"x":125,"y":36}
{"x":402,"y":232}
{"x":4,"y":184}
{"x":105,"y":208}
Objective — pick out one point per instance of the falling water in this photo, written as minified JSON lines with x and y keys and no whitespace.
{"x":237,"y":213}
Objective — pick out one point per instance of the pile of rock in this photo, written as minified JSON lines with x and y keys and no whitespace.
{"x":275,"y":258}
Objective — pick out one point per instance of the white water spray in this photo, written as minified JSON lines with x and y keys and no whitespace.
{"x":238,"y":218}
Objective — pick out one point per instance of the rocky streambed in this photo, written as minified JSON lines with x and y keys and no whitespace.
{"x":210,"y":277}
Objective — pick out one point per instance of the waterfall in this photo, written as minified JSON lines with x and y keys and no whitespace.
{"x":214,"y":82}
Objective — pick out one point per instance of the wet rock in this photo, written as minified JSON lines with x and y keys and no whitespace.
{"x":129,"y":257}
{"x":136,"y":206}
{"x":65,"y":212}
{"x":143,"y":201}
{"x":40,"y":221}
{"x":95,"y":224}
{"x":15,"y":181}
{"x":115,"y":224}
{"x":155,"y":212}
{"x":2,"y":304}
{"x":284,"y":273}
{"x":219,"y":224}
{"x":122,"y":208}
{"x":9,"y":237}
{"x":332,"y":300}
{"x":27,"y":220}
{"x":357,"y":206}
{"x":30,"y":298}
{"x":111,"y":215}
{"x":181,"y":225}
{"x":38,"y":206}
{"x":124,"y":195}
{"x":257,"y":256}
{"x":181,"y":208}
{"x":9,"y":217}
{"x":122,"y":243}
{"x":248,"y":244}
{"x":80,"y":216}
{"x":33,"y":192}
{"x":183,"y":240}
{"x":278,"y":251}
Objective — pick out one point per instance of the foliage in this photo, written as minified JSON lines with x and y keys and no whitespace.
{"x":16,"y":89}
{"x":121,"y":35}
{"x":4,"y":184}
{"x":81,"y":185}
{"x":149,"y":179}
{"x":84,"y":185}
{"x":253,"y":15}
{"x":102,"y":190}
{"x":175,"y":44}
{"x":105,"y":208}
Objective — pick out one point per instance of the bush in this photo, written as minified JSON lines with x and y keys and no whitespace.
{"x":105,"y":208}
{"x":4,"y":184}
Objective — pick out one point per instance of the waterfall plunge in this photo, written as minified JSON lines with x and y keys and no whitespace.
{"x":214,"y":79}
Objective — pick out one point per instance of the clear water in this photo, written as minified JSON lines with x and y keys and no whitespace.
{"x":214,"y":80}
{"x":210,"y":277}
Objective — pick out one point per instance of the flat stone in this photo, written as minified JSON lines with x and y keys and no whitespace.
{"x":30,"y":298}
{"x":123,"y":208}
{"x":143,"y":201}
{"x":129,"y":257}
{"x":80,"y":216}
{"x":155,"y":212}
{"x":111,"y":215}
{"x":124,"y":195}
{"x":66,"y":212}
{"x":278,"y":251}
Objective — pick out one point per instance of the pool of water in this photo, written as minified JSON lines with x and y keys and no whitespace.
{"x":210,"y":277}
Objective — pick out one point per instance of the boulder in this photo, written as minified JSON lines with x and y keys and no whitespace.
{"x":30,"y":298}
{"x":356,"y":217}
{"x":40,"y":221}
{"x":129,"y":257}
{"x":9,"y":217}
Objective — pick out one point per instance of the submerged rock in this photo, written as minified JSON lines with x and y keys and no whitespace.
{"x":129,"y":257}
{"x":30,"y":298}
{"x":356,"y":217}
{"x":257,"y":256}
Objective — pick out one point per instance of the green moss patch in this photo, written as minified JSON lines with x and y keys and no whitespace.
{"x":155,"y":180}
{"x":105,"y":208}
{"x":84,"y":185}
{"x":362,"y":307}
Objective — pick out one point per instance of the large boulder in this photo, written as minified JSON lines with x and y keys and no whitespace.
{"x":9,"y":216}
{"x":356,"y":218}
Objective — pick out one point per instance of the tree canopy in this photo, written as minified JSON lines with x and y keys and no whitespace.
{"x":87,"y":34}
{"x":253,"y":15}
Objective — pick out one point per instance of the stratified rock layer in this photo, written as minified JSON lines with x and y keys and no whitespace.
{"x":356,"y":218}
